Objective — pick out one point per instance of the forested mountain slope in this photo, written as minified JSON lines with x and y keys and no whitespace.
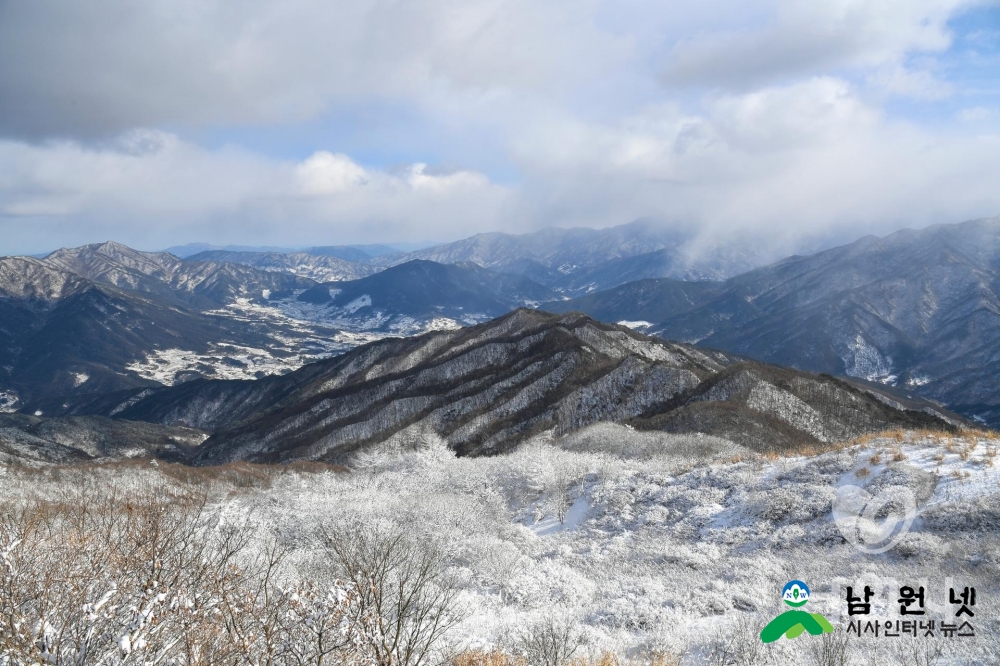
{"x":201,"y":284}
{"x":916,"y":309}
{"x":63,"y":334}
{"x":487,"y":388}
{"x":319,"y":267}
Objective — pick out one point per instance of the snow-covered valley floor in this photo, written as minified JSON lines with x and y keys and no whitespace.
{"x":676,"y":546}
{"x":297,"y":333}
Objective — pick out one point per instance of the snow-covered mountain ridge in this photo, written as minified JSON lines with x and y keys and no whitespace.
{"x":488,"y":388}
{"x":105,"y":317}
{"x":917,"y":309}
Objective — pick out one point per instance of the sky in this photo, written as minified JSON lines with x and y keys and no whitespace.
{"x":308,"y":122}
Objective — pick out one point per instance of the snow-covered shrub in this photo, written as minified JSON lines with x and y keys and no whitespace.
{"x":830,"y":650}
{"x":119,"y":575}
{"x":549,"y":643}
{"x":739,"y":644}
{"x":656,"y":554}
{"x":401,"y":607}
{"x":98,"y":576}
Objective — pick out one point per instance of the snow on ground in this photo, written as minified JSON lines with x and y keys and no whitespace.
{"x":9,"y":402}
{"x":310,"y":318}
{"x":637,"y":325}
{"x":673,"y":543}
{"x":300,"y":333}
{"x":442,"y":324}
{"x":358,"y":303}
{"x":225,"y":361}
{"x":667,"y":551}
{"x":864,"y":360}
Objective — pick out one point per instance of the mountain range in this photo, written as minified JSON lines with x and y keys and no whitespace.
{"x":77,"y":439}
{"x":61,"y":333}
{"x":105,"y":317}
{"x":487,"y":388}
{"x":426,"y":289}
{"x":909,"y":320}
{"x":568,"y":261}
{"x":916,"y":309}
{"x":319,"y":267}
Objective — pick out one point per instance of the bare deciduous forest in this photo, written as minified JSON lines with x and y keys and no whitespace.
{"x":604,"y":547}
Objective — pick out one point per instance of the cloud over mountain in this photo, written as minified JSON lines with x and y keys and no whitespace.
{"x":354,"y":122}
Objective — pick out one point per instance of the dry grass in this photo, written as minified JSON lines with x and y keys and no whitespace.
{"x":611,"y":659}
{"x":501,"y":658}
{"x":236,"y":475}
{"x":864,"y":440}
{"x":481,"y":658}
{"x":862,"y":473}
{"x":807,"y":450}
{"x":897,"y":437}
{"x":962,"y":443}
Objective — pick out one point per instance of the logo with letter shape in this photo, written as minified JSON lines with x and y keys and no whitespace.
{"x":794,"y":623}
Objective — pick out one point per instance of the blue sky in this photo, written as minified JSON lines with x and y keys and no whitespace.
{"x":303,"y":122}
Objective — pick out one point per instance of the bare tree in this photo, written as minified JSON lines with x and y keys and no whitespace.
{"x":831,"y":650}
{"x":113,"y":577}
{"x":922,"y":654}
{"x":551,"y":643}
{"x":503,"y":562}
{"x":109,"y":577}
{"x":404,"y":606}
{"x":740,"y":645}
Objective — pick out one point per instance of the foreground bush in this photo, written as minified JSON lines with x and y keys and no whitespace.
{"x":97,"y":576}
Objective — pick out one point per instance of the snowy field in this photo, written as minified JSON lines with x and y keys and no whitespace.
{"x":641,"y":543}
{"x":300,"y":333}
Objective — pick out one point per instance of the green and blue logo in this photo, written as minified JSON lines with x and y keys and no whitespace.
{"x":794,"y":623}
{"x":795,"y":593}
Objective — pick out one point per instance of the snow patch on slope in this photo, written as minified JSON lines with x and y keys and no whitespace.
{"x":170,"y":366}
{"x":358,"y":303}
{"x":864,"y":360}
{"x":9,"y":402}
{"x":636,"y":325}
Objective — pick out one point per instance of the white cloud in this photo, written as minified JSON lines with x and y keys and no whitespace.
{"x":106,"y":66}
{"x":180,"y":189}
{"x":326,"y":173}
{"x":920,"y":84}
{"x":803,"y":38}
{"x":792,"y":162}
{"x":976,"y":114}
{"x":110,"y":65}
{"x":789,"y":162}
{"x":765,"y":117}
